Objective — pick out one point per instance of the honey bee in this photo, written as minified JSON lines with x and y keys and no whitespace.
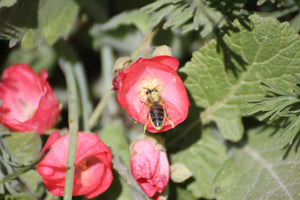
{"x":157,"y":112}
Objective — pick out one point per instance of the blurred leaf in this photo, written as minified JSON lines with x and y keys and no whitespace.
{"x":33,"y":21}
{"x":115,"y":34}
{"x":113,"y":136}
{"x":17,"y":197}
{"x":41,"y":57}
{"x":134,"y":17}
{"x":183,"y":194}
{"x":223,"y":74}
{"x":7,"y":3}
{"x":295,"y":22}
{"x":23,"y":147}
{"x":119,"y":190}
{"x":33,"y":182}
{"x":258,"y":170}
{"x":203,"y":159}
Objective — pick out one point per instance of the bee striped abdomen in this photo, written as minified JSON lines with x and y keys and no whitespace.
{"x":157,"y":116}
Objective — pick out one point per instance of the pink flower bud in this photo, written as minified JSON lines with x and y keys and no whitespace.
{"x":136,"y":93}
{"x":28,"y":102}
{"x":149,"y":166}
{"x":93,"y":173}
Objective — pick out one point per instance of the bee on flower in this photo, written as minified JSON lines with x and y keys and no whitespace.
{"x":153,"y":93}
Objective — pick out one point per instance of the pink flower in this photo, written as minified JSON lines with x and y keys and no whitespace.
{"x":156,"y":76}
{"x":93,"y":173}
{"x":28,"y":102}
{"x":149,"y":166}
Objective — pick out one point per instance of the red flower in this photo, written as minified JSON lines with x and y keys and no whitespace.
{"x":93,"y":174}
{"x":28,"y":102}
{"x":149,"y":166}
{"x":146,"y":75}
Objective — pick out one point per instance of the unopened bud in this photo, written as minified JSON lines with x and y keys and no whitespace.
{"x":162,"y":50}
{"x":121,"y":64}
{"x":180,"y":173}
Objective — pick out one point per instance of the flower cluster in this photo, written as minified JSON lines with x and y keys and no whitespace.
{"x":28,"y":103}
{"x":149,"y":89}
{"x":154,"y":95}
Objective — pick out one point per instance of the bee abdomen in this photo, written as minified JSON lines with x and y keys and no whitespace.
{"x":157,"y":116}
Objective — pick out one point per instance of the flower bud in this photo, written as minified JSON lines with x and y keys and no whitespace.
{"x":162,"y":50}
{"x":180,"y":173}
{"x":93,"y":173}
{"x":28,"y":101}
{"x":149,"y":166}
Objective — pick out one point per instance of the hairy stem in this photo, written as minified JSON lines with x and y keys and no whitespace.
{"x":73,"y":126}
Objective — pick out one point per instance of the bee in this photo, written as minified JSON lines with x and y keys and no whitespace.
{"x":157,"y":112}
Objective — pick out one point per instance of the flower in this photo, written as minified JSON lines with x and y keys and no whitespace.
{"x":147,"y":74}
{"x":28,"y":102}
{"x":93,"y":173}
{"x":149,"y":166}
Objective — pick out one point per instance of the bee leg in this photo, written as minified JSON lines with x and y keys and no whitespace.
{"x":146,"y":124}
{"x":167,"y":117}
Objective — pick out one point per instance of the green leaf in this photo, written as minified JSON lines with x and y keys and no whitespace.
{"x":224,"y":73}
{"x":113,"y":136}
{"x":183,"y":194}
{"x":33,"y":181}
{"x":258,"y":170}
{"x":41,"y":57}
{"x":23,"y":147}
{"x":33,"y":21}
{"x":203,"y":159}
{"x":22,"y":196}
{"x":134,"y":17}
{"x":187,"y":15}
{"x":7,"y":3}
{"x":119,"y":189}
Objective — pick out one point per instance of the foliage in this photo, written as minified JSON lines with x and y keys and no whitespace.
{"x":241,"y":137}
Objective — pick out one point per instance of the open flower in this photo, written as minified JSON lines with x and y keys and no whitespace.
{"x":149,"y":166}
{"x":28,"y":102}
{"x":93,"y":173}
{"x":153,"y":81}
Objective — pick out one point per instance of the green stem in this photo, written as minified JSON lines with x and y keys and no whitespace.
{"x":22,"y":170}
{"x":73,"y":126}
{"x":144,"y":45}
{"x":126,"y":175}
{"x":84,"y":96}
{"x":99,"y":109}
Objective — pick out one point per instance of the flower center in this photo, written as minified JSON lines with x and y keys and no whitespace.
{"x":85,"y":169}
{"x":149,"y":89}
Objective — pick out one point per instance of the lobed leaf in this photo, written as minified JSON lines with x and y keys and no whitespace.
{"x":23,"y":147}
{"x":134,"y":17}
{"x":187,"y":15}
{"x":113,"y":136}
{"x":203,"y":159}
{"x":33,"y":21}
{"x":259,"y":171}
{"x":225,"y":73}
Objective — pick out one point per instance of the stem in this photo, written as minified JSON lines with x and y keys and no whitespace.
{"x":84,"y":96}
{"x":123,"y":172}
{"x":23,"y":169}
{"x":73,"y":126}
{"x":145,"y":44}
{"x":99,"y":109}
